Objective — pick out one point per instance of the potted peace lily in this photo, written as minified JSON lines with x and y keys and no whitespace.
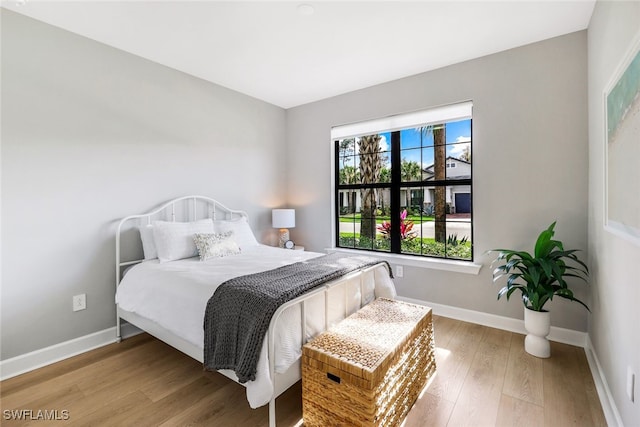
{"x":539,"y":277}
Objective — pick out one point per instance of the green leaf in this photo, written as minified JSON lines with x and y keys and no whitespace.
{"x":565,"y":293}
{"x":543,"y":239}
{"x":546,"y":265}
{"x":575,"y":275}
{"x":572,"y":298}
{"x":534,"y":300}
{"x":512,"y":290}
{"x":542,"y":275}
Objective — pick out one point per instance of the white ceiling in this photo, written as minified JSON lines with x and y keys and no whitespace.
{"x":272,"y":51}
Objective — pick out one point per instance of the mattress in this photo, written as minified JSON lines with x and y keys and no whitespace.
{"x":174,"y":295}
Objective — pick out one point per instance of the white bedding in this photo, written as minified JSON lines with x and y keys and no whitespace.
{"x":175,"y":294}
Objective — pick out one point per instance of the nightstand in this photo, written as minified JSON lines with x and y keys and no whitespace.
{"x":298,"y":248}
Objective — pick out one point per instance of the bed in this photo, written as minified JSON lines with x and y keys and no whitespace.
{"x":165,"y":293}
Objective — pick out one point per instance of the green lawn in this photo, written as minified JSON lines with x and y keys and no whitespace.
{"x":356,"y":218}
{"x":425,"y":246}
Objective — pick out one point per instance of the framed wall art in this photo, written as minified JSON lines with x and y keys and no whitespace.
{"x":622,"y":148}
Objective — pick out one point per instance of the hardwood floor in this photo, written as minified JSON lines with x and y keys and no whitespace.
{"x":484,"y":378}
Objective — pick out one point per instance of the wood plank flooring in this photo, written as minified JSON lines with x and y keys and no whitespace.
{"x":484,"y":378}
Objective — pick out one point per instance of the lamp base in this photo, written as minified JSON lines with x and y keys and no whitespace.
{"x":284,"y":236}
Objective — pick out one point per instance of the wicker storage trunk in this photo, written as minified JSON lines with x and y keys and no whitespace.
{"x":369,"y":369}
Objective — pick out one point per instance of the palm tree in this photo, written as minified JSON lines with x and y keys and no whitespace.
{"x":370,"y":167}
{"x":410,"y":171}
{"x":346,"y":149}
{"x":349,"y":175}
{"x":439,"y":169}
{"x":385,"y":174}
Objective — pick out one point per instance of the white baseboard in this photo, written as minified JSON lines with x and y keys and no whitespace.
{"x":609,"y":407}
{"x":46,"y":356}
{"x":566,"y":336}
{"x":562,"y":335}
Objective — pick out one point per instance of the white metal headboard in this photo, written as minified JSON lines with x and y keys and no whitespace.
{"x":192,"y":208}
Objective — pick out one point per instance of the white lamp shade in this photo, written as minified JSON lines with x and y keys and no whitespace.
{"x":283,"y":218}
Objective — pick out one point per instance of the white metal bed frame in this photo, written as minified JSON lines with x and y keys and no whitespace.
{"x":189,"y":205}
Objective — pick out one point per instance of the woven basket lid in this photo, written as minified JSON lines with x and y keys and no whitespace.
{"x":368,"y":339}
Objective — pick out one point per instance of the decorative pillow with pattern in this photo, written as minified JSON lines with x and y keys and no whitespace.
{"x":215,"y":245}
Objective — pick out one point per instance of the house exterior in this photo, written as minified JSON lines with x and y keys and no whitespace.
{"x":458,"y":197}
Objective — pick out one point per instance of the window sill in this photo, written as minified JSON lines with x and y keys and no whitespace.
{"x":430,"y":263}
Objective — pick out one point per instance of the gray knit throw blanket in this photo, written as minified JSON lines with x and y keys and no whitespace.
{"x":240,"y":310}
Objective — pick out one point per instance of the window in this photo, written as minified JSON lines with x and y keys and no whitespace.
{"x":403,"y":184}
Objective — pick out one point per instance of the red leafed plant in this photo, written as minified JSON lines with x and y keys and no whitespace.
{"x":406,"y":228}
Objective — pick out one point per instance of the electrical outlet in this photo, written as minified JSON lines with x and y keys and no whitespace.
{"x":399,"y":271}
{"x":631,"y":377}
{"x":79,"y":302}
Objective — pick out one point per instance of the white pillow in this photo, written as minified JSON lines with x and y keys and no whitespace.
{"x":241,"y":231}
{"x":148,"y":243}
{"x":215,"y":245}
{"x":174,"y":240}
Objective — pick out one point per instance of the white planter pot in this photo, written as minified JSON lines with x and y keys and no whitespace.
{"x":538,"y":325}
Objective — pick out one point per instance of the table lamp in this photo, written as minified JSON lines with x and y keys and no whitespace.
{"x":283,"y":219}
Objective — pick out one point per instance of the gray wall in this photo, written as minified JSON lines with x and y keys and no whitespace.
{"x":529,"y":157}
{"x":91,"y":134}
{"x":614,"y":326}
